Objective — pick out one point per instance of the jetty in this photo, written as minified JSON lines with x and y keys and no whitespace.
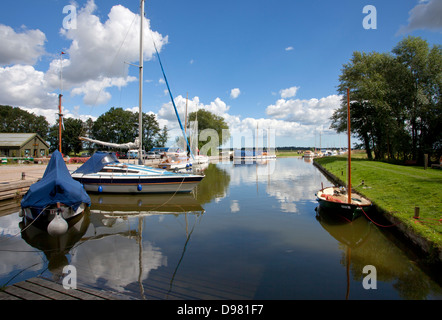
{"x":14,"y":189}
{"x":44,"y":289}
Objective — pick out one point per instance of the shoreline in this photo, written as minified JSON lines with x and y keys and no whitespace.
{"x":426,"y":248}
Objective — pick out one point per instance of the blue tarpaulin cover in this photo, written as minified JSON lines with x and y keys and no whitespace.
{"x":96,"y":162}
{"x":56,"y":185}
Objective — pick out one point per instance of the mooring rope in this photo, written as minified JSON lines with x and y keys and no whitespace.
{"x":378,"y":224}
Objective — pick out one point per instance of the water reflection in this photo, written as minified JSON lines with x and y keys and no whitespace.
{"x":350,"y":235}
{"x":248,"y":231}
{"x":364,"y":244}
{"x":55,"y":249}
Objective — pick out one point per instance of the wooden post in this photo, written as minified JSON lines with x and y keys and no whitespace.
{"x":23,"y":176}
{"x":416,"y":212}
{"x":425,"y":161}
{"x":349,"y":147}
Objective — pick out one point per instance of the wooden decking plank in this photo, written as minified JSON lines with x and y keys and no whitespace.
{"x":24,"y":294}
{"x":44,"y":289}
{"x":58,"y":287}
{"x":7,"y":296}
{"x":49,"y":293}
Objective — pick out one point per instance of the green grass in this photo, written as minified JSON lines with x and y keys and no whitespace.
{"x":288,"y":154}
{"x":398,"y":190}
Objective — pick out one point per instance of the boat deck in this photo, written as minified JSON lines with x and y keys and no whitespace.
{"x":333,"y":194}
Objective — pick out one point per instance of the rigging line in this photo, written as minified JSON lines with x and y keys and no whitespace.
{"x":20,"y":272}
{"x":171,"y":97}
{"x":13,"y":236}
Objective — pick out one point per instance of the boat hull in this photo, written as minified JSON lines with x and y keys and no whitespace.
{"x":331,"y":203}
{"x":105,"y":184}
{"x":349,"y":212}
{"x":49,"y":213}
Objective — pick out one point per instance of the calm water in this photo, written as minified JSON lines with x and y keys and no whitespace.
{"x":250,"y":231}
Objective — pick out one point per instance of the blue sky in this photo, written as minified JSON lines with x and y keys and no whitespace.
{"x":271,"y":64}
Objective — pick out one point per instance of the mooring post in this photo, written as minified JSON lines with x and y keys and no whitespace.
{"x":416,"y":212}
{"x":23,"y":175}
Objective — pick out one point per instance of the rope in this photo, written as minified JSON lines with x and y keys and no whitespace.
{"x":422,"y":220}
{"x":378,"y":224}
{"x":416,"y":220}
{"x":24,"y":229}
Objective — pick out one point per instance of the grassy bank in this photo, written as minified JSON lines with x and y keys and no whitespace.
{"x":288,"y":153}
{"x":397,"y":190}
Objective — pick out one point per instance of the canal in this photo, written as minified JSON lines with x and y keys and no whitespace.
{"x":249,"y":231}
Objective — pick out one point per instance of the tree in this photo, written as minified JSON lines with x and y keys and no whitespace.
{"x":372,"y":108}
{"x":115,"y":126}
{"x":16,"y":120}
{"x":70,"y":142}
{"x":208,"y":120}
{"x":87,"y":131}
{"x":121,"y":126}
{"x":423,"y":83}
{"x":151,"y":129}
{"x":162,"y":138}
{"x":395,"y":100}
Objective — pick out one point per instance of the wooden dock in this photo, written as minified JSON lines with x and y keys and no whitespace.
{"x":44,"y":289}
{"x":14,"y":189}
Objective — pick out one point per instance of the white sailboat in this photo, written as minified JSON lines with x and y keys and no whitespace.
{"x":105,"y":174}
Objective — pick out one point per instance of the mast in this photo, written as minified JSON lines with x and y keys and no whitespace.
{"x":349,"y":148}
{"x":140,"y":103}
{"x":60,"y":114}
{"x":185,"y":117}
{"x":60,"y":121}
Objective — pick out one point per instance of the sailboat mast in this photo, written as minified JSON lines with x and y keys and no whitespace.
{"x":60,"y":114}
{"x":140,"y":103}
{"x":349,"y":148}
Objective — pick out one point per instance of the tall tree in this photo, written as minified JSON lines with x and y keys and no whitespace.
{"x":70,"y":142}
{"x":422,"y":81}
{"x":209,"y":120}
{"x":121,"y":126}
{"x":162,"y":137}
{"x":116,"y":126}
{"x":395,"y":100}
{"x":16,"y":120}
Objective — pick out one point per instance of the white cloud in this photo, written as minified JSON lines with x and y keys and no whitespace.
{"x":425,"y":15}
{"x":20,"y":47}
{"x":307,"y":112}
{"x":289,"y":48}
{"x":94,"y":91}
{"x":100,"y":49}
{"x":288,"y":118}
{"x":94,"y":62}
{"x":289,"y":92}
{"x":22,"y":85}
{"x":234,"y":93}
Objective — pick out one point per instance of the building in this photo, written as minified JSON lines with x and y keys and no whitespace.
{"x":23,"y":145}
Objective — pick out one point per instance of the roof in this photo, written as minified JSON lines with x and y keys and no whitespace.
{"x":17,"y":139}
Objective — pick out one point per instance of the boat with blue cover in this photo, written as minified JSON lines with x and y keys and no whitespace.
{"x":56,"y":196}
{"x":104,"y":173}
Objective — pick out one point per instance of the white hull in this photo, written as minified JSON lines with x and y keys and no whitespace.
{"x":50,"y":213}
{"x":118,"y":187}
{"x":136,"y":179}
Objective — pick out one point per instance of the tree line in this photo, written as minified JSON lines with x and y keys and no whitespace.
{"x":395,"y":101}
{"x":115,"y":126}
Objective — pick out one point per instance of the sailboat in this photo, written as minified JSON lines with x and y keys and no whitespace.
{"x":340,"y":199}
{"x":104,"y":173}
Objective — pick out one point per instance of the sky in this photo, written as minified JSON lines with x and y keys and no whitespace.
{"x":267,"y":67}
